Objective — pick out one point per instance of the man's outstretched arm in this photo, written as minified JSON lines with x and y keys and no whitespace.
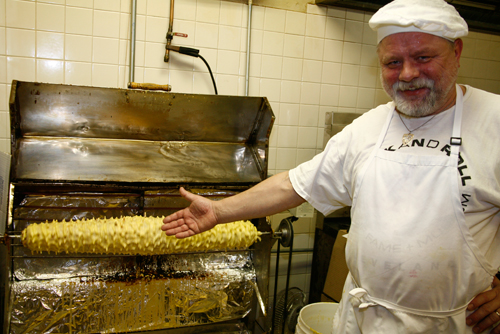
{"x":271,"y":196}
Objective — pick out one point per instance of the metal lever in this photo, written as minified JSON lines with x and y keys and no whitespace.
{"x":180,"y":34}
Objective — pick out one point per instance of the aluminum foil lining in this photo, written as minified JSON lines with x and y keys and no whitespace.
{"x":143,"y":293}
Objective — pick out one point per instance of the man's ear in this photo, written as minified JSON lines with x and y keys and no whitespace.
{"x":457,"y":48}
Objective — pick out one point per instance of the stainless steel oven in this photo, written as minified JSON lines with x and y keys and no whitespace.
{"x":89,"y":152}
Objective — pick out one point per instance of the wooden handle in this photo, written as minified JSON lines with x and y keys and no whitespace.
{"x":149,"y":86}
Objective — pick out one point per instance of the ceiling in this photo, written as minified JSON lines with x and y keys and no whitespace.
{"x":481,"y":15}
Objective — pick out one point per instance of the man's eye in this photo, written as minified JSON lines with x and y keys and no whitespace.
{"x":392,"y":63}
{"x":424,"y":58}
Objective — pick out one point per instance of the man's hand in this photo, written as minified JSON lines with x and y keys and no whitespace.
{"x":486,"y":306}
{"x":198,"y":217}
{"x":271,"y":196}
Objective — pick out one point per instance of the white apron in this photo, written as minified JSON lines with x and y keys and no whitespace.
{"x":413,"y":264}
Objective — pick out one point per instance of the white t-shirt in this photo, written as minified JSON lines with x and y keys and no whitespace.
{"x":327,"y":181}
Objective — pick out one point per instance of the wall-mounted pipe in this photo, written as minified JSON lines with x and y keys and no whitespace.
{"x":132,"y":41}
{"x":170,"y":32}
{"x":249,"y":34}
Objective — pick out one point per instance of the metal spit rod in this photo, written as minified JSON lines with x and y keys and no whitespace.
{"x":70,"y":256}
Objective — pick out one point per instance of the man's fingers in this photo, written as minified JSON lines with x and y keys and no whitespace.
{"x":485,"y":315}
{"x":176,"y":218}
{"x":477,"y":316}
{"x":174,"y":229}
{"x":173,"y":221}
{"x":184,"y":234}
{"x":487,"y":322}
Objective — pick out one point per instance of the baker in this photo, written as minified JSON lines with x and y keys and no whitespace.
{"x":424,"y":243}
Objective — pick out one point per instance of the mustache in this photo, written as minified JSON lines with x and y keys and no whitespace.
{"x":414,"y":84}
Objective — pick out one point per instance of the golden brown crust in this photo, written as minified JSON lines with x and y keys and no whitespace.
{"x":132,"y":235}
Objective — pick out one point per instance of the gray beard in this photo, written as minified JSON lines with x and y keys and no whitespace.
{"x":410,"y":108}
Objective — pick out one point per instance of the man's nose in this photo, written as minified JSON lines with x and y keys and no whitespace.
{"x":408,"y":72}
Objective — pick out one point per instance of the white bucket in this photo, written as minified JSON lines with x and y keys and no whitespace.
{"x":316,"y":318}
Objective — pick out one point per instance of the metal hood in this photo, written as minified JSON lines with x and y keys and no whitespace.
{"x":90,"y":134}
{"x":480,"y":15}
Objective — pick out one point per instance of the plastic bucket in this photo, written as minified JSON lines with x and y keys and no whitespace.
{"x":302,"y":328}
{"x":316,"y":318}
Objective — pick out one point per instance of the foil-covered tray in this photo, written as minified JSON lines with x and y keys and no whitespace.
{"x":145,"y":293}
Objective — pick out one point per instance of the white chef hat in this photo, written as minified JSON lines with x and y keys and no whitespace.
{"x":435,"y":17}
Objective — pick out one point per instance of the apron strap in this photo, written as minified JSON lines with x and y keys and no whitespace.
{"x":363,"y":300}
{"x":456,"y":140}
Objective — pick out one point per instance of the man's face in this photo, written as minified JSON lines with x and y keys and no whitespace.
{"x":419,"y":72}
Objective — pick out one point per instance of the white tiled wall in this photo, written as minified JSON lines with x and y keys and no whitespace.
{"x":305,"y":63}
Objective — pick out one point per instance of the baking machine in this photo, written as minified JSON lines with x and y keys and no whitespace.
{"x":89,"y":152}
